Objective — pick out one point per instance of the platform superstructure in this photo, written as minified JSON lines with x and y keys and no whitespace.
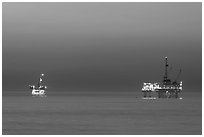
{"x":38,"y":90}
{"x":166,"y":89}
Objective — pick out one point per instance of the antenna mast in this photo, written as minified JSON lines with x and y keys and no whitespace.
{"x":40,"y":80}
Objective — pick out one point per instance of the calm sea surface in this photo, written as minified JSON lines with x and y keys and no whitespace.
{"x":101,"y":113}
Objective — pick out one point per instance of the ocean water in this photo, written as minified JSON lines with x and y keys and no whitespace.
{"x":101,"y":113}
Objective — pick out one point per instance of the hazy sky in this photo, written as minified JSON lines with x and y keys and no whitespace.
{"x":100,"y":46}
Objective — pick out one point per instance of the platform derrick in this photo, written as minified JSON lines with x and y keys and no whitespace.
{"x":167,"y":89}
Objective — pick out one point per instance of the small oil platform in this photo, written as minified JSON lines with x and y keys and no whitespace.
{"x":38,"y":90}
{"x":167,"y":89}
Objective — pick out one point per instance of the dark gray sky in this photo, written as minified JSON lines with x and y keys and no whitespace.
{"x":100,"y":46}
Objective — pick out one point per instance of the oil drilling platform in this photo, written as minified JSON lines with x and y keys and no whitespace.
{"x":38,"y":90}
{"x":167,"y":89}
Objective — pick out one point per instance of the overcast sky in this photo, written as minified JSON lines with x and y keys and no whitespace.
{"x":100,"y":46}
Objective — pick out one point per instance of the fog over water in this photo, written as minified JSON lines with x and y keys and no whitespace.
{"x":100,"y":46}
{"x":95,"y":57}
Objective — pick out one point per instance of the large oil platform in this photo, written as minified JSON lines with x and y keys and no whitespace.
{"x":38,"y":90}
{"x":167,"y":89}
